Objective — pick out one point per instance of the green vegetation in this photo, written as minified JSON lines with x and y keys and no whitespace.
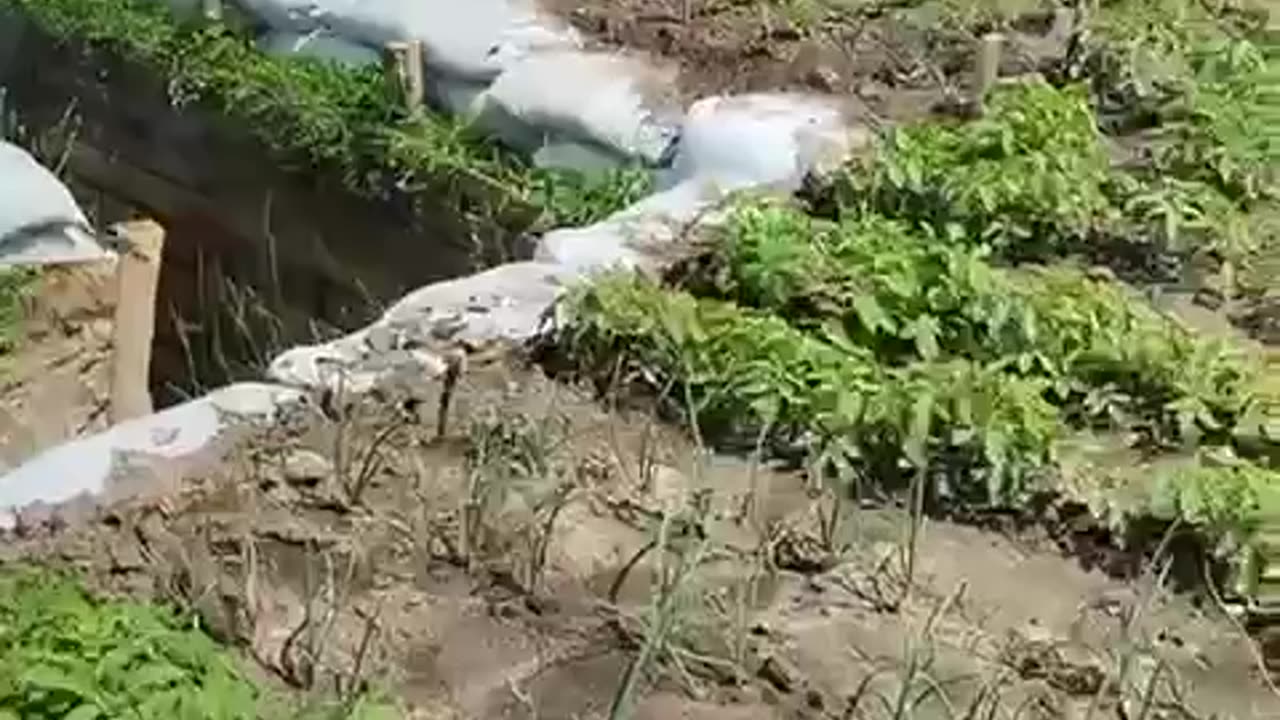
{"x":318,"y":115}
{"x":64,"y":654}
{"x":912,"y":297}
{"x":741,"y":370}
{"x":15,"y":285}
{"x":936,"y":328}
{"x":1028,"y":177}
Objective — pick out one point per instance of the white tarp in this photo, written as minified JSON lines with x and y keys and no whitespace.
{"x":319,"y":45}
{"x":622,"y":103}
{"x":474,"y":39}
{"x":40,"y":222}
{"x":765,"y":139}
{"x":82,"y":468}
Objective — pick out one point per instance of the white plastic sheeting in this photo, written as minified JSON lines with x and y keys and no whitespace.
{"x":506,"y":302}
{"x":636,"y":237}
{"x":475,"y":39}
{"x":766,"y":139}
{"x":319,"y":45}
{"x":40,"y":222}
{"x":620,"y":102}
{"x":83,"y":468}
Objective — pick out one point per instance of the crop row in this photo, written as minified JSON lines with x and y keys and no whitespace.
{"x":908,"y":296}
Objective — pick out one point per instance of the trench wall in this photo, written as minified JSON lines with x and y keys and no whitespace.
{"x":309,"y":247}
{"x":525,"y":79}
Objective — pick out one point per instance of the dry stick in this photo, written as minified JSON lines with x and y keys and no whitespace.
{"x":372,"y":462}
{"x":366,"y":642}
{"x":137,"y":277}
{"x":914,"y":523}
{"x":455,"y":364}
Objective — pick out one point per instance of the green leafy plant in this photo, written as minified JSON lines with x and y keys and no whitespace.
{"x":907,"y":297}
{"x":68,"y":656}
{"x":741,"y":369}
{"x":1026,"y":178}
{"x":15,"y":286}
{"x":1220,"y":129}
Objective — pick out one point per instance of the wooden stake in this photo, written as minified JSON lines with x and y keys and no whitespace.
{"x":403,"y":65}
{"x":212,"y":10}
{"x":986,"y":67}
{"x":137,"y":278}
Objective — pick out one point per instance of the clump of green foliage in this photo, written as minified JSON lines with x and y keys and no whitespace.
{"x":1029,"y":177}
{"x":1230,"y":498}
{"x":322,"y":115}
{"x":911,"y":333}
{"x":739,"y":370}
{"x":1202,"y":84}
{"x":63,"y":655}
{"x":15,"y":286}
{"x":68,"y":656}
{"x":911,"y":297}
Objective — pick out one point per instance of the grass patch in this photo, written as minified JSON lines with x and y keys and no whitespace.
{"x":15,"y":287}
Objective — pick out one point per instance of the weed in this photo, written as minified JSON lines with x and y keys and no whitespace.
{"x":15,"y":288}
{"x":515,"y":488}
{"x":679,"y":557}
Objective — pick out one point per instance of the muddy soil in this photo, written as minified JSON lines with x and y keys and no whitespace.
{"x":898,"y":58}
{"x":54,"y":382}
{"x":481,"y":574}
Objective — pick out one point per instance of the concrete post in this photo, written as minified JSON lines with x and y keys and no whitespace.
{"x":137,"y":278}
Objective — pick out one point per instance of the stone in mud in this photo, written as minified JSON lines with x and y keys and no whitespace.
{"x":306,"y":467}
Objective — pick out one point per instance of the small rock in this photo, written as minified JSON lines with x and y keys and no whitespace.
{"x":670,"y":488}
{"x":822,"y":78}
{"x":781,"y":674}
{"x":101,"y":329}
{"x":380,"y":339}
{"x":306,"y":467}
